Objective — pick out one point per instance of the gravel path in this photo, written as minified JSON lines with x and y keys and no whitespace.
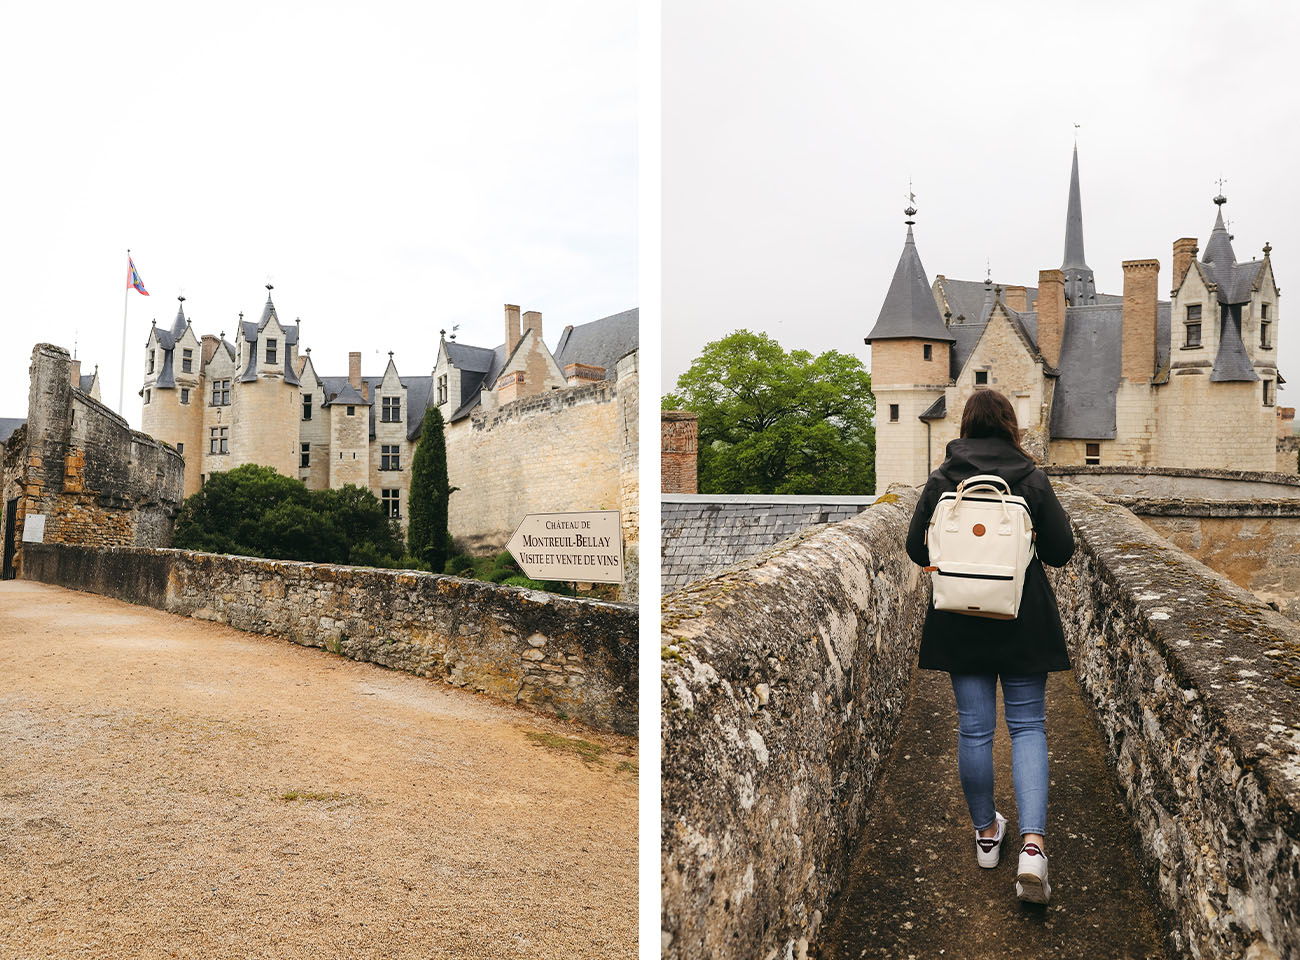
{"x":172,"y":788}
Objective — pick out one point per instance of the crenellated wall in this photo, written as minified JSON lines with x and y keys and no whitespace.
{"x":783,"y":681}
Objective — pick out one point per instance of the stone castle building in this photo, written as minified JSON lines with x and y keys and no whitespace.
{"x":1096,"y":379}
{"x":525,"y":428}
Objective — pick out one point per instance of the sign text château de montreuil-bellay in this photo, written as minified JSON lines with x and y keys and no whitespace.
{"x":570,"y":546}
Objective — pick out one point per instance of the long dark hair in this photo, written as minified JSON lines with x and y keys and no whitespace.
{"x":989,"y":414}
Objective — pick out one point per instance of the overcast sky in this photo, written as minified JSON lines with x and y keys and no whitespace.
{"x":393,"y":168}
{"x":790,"y":132}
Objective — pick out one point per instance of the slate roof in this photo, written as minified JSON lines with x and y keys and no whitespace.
{"x":1233,"y":280}
{"x":483,"y":372}
{"x":251,"y":331}
{"x":909,"y":310}
{"x":8,"y":425}
{"x":418,"y":390}
{"x":340,"y":390}
{"x":703,"y":534}
{"x":937,"y":410}
{"x":85,"y":382}
{"x":1080,"y":289}
{"x":600,"y":343}
{"x":1232,"y":363}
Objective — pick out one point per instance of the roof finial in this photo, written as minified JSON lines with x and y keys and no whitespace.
{"x":390,"y":354}
{"x":1220,"y":200}
{"x":181,"y":297}
{"x":910,"y":210}
{"x":1076,"y":135}
{"x":442,"y":334}
{"x":1268,"y":248}
{"x":988,"y":271}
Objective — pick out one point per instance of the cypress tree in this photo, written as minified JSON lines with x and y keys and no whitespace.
{"x":426,"y":533}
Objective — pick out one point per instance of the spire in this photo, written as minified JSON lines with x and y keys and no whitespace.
{"x":909,"y":310}
{"x":1079,"y":285}
{"x":268,"y":311}
{"x":1219,"y":249}
{"x":180,"y":323}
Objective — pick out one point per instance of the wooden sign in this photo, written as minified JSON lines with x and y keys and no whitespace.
{"x":570,"y":546}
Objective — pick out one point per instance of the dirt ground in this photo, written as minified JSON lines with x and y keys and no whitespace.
{"x":171,"y":788}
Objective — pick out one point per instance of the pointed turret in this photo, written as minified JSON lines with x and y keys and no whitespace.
{"x":1218,"y":250}
{"x":909,"y":310}
{"x":268,"y":311}
{"x":180,"y":323}
{"x":1079,"y":285}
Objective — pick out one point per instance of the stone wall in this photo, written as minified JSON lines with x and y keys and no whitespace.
{"x":570,"y":657}
{"x":568,"y":449}
{"x":1162,"y":482}
{"x":1196,"y":685}
{"x":94,"y":479}
{"x":783,"y":682}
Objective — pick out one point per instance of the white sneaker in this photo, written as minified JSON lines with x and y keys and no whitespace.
{"x":988,"y":850}
{"x":1031,"y":875}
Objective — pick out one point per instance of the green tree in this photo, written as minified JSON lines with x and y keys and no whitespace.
{"x":427,"y":537}
{"x":778,"y":422}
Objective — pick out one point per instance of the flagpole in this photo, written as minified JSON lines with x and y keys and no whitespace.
{"x":121,"y":370}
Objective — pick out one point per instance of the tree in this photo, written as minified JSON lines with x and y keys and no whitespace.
{"x":778,"y":422}
{"x":426,"y":532}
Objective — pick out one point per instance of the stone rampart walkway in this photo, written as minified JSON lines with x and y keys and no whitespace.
{"x":914,"y":889}
{"x":171,"y":788}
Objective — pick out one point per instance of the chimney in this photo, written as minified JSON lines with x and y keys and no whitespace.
{"x":210,"y":345}
{"x":1016,"y":298}
{"x":1138,"y":364}
{"x":533,"y":322}
{"x":679,"y":443}
{"x":1185,"y":250}
{"x":354,"y":370}
{"x":512,"y":328}
{"x":74,"y":374}
{"x":1285,"y":422}
{"x":1051,"y":315}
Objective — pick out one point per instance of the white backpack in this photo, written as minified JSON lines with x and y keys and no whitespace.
{"x":981,"y":540}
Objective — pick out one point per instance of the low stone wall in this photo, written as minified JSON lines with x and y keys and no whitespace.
{"x":783,"y":683}
{"x":1179,"y":482}
{"x":571,"y":657}
{"x":1196,"y":684}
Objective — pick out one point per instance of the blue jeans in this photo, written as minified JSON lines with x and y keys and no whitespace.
{"x":1024,"y":702}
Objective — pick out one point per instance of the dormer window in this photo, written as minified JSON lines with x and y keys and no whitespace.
{"x":150,"y":361}
{"x":187,"y":361}
{"x":270,"y":351}
{"x":1192,"y":326}
{"x":306,"y":406}
{"x":442,"y":389}
{"x":1269,"y":394}
{"x":1265,"y":328}
{"x":392,"y":410}
{"x":981,"y":378}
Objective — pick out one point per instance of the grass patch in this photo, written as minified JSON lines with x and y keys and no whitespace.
{"x":627,"y":766}
{"x":290,"y":796}
{"x":585,"y":750}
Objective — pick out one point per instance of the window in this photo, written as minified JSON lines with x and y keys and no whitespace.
{"x":146,"y":395}
{"x":927,"y":352}
{"x":390,"y":500}
{"x":185,"y":395}
{"x":304,"y":455}
{"x":351,"y":411}
{"x":981,"y":378}
{"x":442,"y":389}
{"x":392,"y":409}
{"x":1268,"y":393}
{"x":180,"y":448}
{"x":1092,"y":454}
{"x":390,"y":457}
{"x":1193,"y":326}
{"x":893,"y":413}
{"x":1263,"y":311}
{"x":219,"y":440}
{"x":1265,"y":343}
{"x":187,"y":361}
{"x":306,"y":406}
{"x":151,"y":355}
{"x":270,"y":351}
{"x":221,"y":393}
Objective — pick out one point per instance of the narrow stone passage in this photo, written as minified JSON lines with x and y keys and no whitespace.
{"x":914,"y":889}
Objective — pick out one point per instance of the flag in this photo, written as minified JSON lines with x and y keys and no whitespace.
{"x":133,"y":278}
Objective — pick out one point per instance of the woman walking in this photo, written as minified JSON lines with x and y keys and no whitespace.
{"x":977,"y":651}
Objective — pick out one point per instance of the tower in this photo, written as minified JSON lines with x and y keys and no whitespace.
{"x":1080,"y":288}
{"x":910,"y":356}
{"x":172,"y":392}
{"x":266,"y":400}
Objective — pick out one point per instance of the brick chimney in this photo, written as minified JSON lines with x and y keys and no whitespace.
{"x":533,"y":321}
{"x":1139,"y":318}
{"x":1016,"y":298}
{"x":512,"y":328}
{"x":354,"y":370}
{"x":1185,"y":250}
{"x":210,"y":345}
{"x":1285,"y":422}
{"x":679,"y":442}
{"x":1051,"y":315}
{"x":74,"y":374}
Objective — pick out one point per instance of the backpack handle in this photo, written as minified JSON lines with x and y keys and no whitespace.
{"x":984,"y":481}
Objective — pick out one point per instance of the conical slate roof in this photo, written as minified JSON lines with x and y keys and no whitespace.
{"x":909,"y":311}
{"x":1219,"y":249}
{"x":1080,"y":288}
{"x":180,"y":323}
{"x":1232,"y":362}
{"x":268,"y":311}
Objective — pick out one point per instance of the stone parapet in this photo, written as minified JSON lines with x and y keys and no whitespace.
{"x":783,"y":681}
{"x":1196,"y":685}
{"x":571,"y":657}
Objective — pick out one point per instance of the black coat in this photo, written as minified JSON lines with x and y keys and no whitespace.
{"x":1033,"y":642}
